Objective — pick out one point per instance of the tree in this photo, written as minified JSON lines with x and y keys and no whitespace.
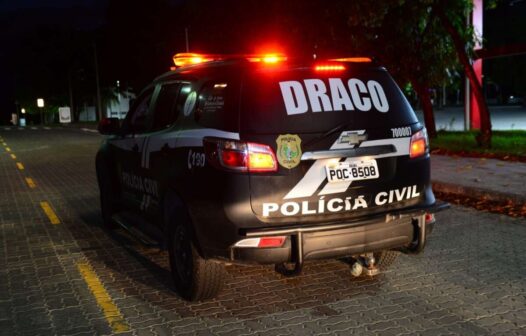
{"x":411,"y":43}
{"x":450,"y":13}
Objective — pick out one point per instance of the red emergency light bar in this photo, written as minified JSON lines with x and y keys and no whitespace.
{"x":353,"y":59}
{"x":329,"y":67}
{"x":185,"y":59}
{"x":267,"y":58}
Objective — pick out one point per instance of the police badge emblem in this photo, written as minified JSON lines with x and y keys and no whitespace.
{"x":289,"y":150}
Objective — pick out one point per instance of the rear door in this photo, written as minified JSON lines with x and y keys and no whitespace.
{"x":341,"y":136}
{"x":128,"y":149}
{"x":160,"y":137}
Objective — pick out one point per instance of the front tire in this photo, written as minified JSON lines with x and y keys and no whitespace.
{"x":194,"y":278}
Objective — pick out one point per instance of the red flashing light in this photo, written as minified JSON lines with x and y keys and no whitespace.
{"x":353,"y":59}
{"x":185,"y":59}
{"x":329,"y":67}
{"x":267,"y":58}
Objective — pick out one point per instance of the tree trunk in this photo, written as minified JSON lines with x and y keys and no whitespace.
{"x":425,"y":100}
{"x":484,"y":138}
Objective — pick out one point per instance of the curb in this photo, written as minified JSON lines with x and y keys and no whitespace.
{"x":480,"y":193}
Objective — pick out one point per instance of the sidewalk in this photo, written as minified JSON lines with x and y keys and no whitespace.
{"x":492,"y":179}
{"x":503,"y":117}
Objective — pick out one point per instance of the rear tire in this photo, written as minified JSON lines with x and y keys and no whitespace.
{"x":384,"y":259}
{"x":194,"y":278}
{"x":107,"y":197}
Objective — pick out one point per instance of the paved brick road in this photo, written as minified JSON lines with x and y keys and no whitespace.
{"x":470,"y":281}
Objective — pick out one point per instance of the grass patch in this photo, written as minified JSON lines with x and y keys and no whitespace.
{"x":503,"y":143}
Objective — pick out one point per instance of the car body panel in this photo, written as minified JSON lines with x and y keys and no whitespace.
{"x":230,"y":100}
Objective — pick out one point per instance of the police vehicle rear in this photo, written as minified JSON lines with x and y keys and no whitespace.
{"x":268,"y":160}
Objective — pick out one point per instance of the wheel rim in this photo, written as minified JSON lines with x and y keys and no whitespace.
{"x":182,"y":252}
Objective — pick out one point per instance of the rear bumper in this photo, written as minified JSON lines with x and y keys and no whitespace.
{"x":405,"y":231}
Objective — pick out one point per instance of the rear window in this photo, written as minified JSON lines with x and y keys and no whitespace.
{"x":305,"y":101}
{"x":218,"y":105}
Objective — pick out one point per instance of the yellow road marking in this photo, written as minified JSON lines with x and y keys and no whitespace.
{"x":53,"y":218}
{"x":31,"y":183}
{"x":8,"y":149}
{"x":13,"y":156}
{"x":20,"y":166}
{"x":3,"y":143}
{"x":110,"y":310}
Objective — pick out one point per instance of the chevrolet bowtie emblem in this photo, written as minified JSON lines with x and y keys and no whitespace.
{"x":352,"y":138}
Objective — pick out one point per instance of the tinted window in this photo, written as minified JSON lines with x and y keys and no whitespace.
{"x":304,"y":101}
{"x":137,"y":117}
{"x":217,"y":106}
{"x":165,"y":113}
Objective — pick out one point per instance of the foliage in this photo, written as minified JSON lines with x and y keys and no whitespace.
{"x":504,"y":143}
{"x":448,"y":13}
{"x":405,"y":36}
{"x":138,"y":38}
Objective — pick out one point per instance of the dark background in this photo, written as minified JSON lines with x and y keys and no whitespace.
{"x":48,"y":47}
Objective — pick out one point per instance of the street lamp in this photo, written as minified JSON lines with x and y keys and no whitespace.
{"x":22,"y":120}
{"x":40,"y":104}
{"x":119,"y":99}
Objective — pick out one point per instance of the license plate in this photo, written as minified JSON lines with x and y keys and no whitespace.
{"x":353,"y":171}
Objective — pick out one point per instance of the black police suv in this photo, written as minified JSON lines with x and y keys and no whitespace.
{"x":267,"y":160}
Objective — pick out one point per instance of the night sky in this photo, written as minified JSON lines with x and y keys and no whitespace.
{"x":506,"y":25}
{"x":9,"y":5}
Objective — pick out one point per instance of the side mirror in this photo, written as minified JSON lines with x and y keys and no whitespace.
{"x":109,"y":126}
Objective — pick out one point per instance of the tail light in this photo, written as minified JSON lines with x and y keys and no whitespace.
{"x":240,"y":156}
{"x":430,"y":218}
{"x":419,"y":144}
{"x":263,"y":242}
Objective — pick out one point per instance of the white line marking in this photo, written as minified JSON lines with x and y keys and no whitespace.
{"x":89,"y":130}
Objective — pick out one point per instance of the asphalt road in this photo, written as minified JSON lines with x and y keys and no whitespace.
{"x":61,"y":273}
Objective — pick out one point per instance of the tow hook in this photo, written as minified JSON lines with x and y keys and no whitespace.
{"x":295,"y":268}
{"x":365,"y":263}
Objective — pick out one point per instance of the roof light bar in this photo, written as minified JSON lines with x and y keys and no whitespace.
{"x":329,"y":67}
{"x":353,"y":59}
{"x":185,"y":59}
{"x":267,"y":58}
